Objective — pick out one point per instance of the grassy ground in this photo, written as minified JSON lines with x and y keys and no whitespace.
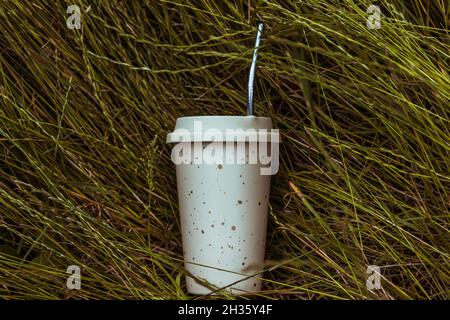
{"x":86,"y":177}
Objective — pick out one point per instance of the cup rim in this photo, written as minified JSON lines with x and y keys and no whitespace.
{"x":225,"y":116}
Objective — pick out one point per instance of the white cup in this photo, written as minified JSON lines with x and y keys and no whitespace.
{"x":223,"y":199}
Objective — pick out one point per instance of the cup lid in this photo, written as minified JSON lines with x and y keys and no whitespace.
{"x":223,"y":128}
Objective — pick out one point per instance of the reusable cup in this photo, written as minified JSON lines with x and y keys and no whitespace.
{"x":223,"y":198}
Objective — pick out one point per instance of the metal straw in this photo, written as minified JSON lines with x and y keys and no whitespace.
{"x":251,"y":77}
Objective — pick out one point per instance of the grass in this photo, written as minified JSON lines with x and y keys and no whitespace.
{"x":86,"y":177}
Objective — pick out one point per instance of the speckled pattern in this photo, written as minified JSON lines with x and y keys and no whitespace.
{"x":223,"y":209}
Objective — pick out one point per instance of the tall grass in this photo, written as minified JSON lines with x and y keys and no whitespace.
{"x":86,"y":177}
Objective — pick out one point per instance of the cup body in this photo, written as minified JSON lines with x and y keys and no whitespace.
{"x":223,"y":202}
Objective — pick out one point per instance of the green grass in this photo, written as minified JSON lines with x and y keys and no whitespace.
{"x":86,"y":176}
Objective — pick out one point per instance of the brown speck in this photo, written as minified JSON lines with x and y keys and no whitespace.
{"x":254,"y":284}
{"x":219,"y":166}
{"x":233,"y":228}
{"x":259,"y":203}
